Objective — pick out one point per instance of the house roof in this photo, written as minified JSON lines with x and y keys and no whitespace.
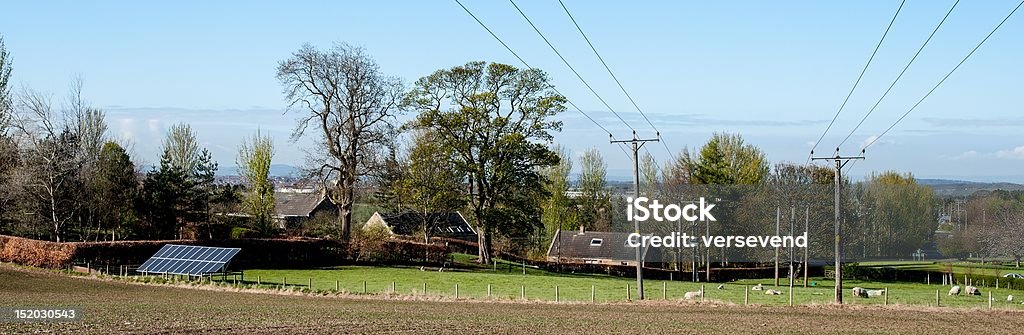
{"x":592,"y":245}
{"x":448,"y":223}
{"x":296,"y":203}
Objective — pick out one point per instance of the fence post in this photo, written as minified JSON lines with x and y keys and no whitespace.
{"x":456,"y":291}
{"x":664,"y":291}
{"x":488,"y":290}
{"x":928,"y":281}
{"x":424,"y":288}
{"x":258,"y":281}
{"x":701,"y":292}
{"x":522,"y":292}
{"x":746,"y":294}
{"x":937,"y":298}
{"x":886,"y":296}
{"x":627,"y":293}
{"x":790,"y":297}
{"x":285,"y":285}
{"x":989,"y":299}
{"x":309,"y":283}
{"x":364,"y":287}
{"x":593,"y":294}
{"x":556,"y":294}
{"x":394,"y":288}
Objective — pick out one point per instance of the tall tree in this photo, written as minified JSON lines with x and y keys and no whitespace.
{"x":497,"y":121}
{"x":6,"y":102}
{"x":430,"y":183}
{"x":114,"y":187}
{"x":254,"y":158}
{"x":595,"y":200}
{"x":651,"y":185}
{"x":726,"y":159}
{"x":178,"y":191}
{"x":557,"y":208}
{"x":352,"y":105}
{"x":8,"y":147}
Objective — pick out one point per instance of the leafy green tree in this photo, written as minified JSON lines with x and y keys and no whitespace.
{"x":352,"y":106}
{"x":431,"y":183}
{"x":595,"y":201}
{"x":254,"y":159}
{"x":900,"y":217}
{"x":558,"y":212}
{"x":177,"y":192}
{"x":114,"y":188}
{"x":726,"y":159}
{"x":497,"y":120}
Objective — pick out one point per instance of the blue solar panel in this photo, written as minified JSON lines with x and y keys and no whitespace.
{"x":188,"y":260}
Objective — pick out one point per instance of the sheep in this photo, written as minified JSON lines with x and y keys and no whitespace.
{"x":772,"y":292}
{"x":693,"y":295}
{"x":721,"y":286}
{"x":971,"y":290}
{"x":875,"y":293}
{"x":955,"y":290}
{"x":1009,"y":298}
{"x":860,"y":292}
{"x":757,"y":287}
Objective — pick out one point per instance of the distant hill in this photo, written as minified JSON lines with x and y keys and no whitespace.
{"x":959,"y":188}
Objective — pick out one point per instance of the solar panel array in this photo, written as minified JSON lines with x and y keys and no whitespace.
{"x":188,"y":260}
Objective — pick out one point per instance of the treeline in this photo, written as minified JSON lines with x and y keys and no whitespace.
{"x":63,"y":177}
{"x":988,"y":224}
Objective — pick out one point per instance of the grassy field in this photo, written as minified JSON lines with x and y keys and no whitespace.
{"x":578,"y":288}
{"x":112,"y":306}
{"x":957,"y":267}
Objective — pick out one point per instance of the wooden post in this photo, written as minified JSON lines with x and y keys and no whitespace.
{"x":746,"y":294}
{"x":791,"y":296}
{"x":701,"y":292}
{"x":285,"y":282}
{"x":522,"y":292}
{"x":989,"y":299}
{"x":627,"y":293}
{"x":456,"y":291}
{"x":937,"y":298}
{"x":337,"y":285}
{"x":424,"y":288}
{"x":928,"y":281}
{"x":309,"y":284}
{"x":488,"y":290}
{"x":394,"y":288}
{"x":887,"y":296}
{"x":556,"y":293}
{"x":593,"y":294}
{"x":258,"y":281}
{"x":364,"y":287}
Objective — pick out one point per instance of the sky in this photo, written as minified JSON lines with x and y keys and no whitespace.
{"x":774,"y":72}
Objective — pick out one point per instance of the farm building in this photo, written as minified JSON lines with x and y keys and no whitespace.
{"x":592,"y":247}
{"x":292,"y":206}
{"x":446,"y":224}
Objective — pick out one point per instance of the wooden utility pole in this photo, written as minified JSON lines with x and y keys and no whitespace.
{"x":840,"y":162}
{"x":636,"y":143}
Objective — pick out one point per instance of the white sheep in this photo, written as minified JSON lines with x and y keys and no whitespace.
{"x":772,"y":292}
{"x":1009,"y":298}
{"x":757,"y":287}
{"x":971,"y":290}
{"x":955,"y":290}
{"x":721,"y":286}
{"x":875,"y":293}
{"x":692,"y":295}
{"x":859,"y":292}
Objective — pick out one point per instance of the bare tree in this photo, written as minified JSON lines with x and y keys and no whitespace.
{"x":49,"y":177}
{"x":254,"y":158}
{"x":352,"y":105}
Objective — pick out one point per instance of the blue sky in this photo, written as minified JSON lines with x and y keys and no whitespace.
{"x":774,"y":72}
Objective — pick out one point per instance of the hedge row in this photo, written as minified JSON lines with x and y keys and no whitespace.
{"x":35,"y":253}
{"x":262,"y":253}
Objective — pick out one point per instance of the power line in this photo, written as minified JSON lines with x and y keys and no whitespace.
{"x":612,"y":74}
{"x":513,"y":52}
{"x":912,"y":59}
{"x":585,"y":83}
{"x":857,"y":82}
{"x":962,"y":61}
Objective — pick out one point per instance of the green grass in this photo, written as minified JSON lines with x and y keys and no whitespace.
{"x":959,"y":267}
{"x":508,"y":281}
